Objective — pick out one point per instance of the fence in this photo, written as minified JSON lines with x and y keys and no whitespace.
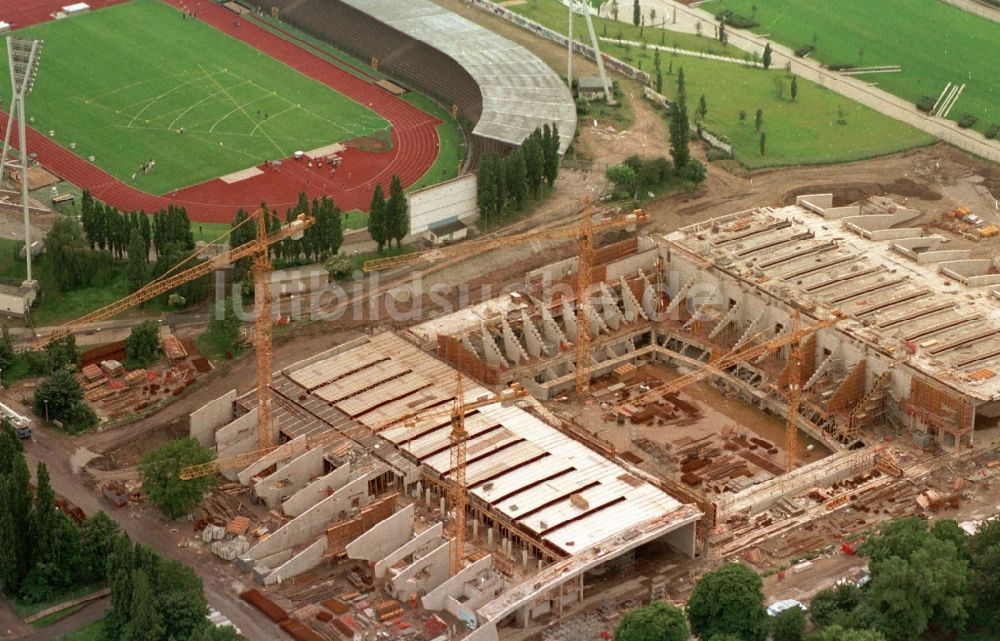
{"x":578,"y":47}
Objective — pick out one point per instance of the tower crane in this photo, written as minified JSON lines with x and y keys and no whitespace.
{"x":584,"y":233}
{"x":258,"y":249}
{"x":458,"y":437}
{"x":717,"y":367}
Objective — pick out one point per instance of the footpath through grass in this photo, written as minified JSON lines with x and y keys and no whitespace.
{"x":806,"y":131}
{"x":935,"y":43}
{"x":137,"y":81}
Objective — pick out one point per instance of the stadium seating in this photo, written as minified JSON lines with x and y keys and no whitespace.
{"x":411,"y":62}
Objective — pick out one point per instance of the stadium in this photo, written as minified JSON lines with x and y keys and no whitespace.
{"x":218,"y":107}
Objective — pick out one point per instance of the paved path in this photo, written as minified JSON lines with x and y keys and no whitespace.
{"x":977,"y":8}
{"x":220,"y":590}
{"x":886,"y":103}
{"x":73,"y":622}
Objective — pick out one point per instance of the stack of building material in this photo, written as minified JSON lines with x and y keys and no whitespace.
{"x":112,"y":368}
{"x":92,"y":373}
{"x":230,"y":550}
{"x":135,"y":377}
{"x":623,"y":372}
{"x":173,"y":348}
{"x":388,"y":610}
{"x":238,"y":526}
{"x":213,"y":533}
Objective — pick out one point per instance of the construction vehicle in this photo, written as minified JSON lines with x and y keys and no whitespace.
{"x":717,"y":367}
{"x":258,"y":249}
{"x":584,"y":233}
{"x":20,"y":424}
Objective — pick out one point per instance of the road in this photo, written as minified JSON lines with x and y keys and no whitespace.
{"x":220,"y":590}
{"x":853,"y":88}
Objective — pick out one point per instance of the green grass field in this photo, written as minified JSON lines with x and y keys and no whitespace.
{"x":934,"y":42}
{"x":123,"y":82}
{"x":800,"y":132}
{"x":91,"y":632}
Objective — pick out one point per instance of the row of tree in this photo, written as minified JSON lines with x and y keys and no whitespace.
{"x":505,"y":182}
{"x":923,"y":580}
{"x":44,"y":554}
{"x":389,"y":218}
{"x":320,"y":241}
{"x":110,"y":230}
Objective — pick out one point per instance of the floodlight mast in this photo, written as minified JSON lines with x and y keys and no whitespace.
{"x":22,"y":58}
{"x":575,"y":7}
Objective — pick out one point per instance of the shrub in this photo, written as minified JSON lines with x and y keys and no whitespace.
{"x":736,"y":20}
{"x":967,"y":120}
{"x":718,"y":154}
{"x":840,"y":67}
{"x":994,"y":129}
{"x":804,"y":50}
{"x":925,"y":104}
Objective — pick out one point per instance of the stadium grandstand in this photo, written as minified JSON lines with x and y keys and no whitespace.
{"x":502,"y":90}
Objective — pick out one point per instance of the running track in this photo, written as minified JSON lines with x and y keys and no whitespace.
{"x":414,"y":140}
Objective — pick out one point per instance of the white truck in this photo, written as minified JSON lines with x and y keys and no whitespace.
{"x":21,"y":424}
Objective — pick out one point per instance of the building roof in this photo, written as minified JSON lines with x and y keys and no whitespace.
{"x":900,"y":295}
{"x":520,"y":92}
{"x":445,"y":228}
{"x":545,"y":482}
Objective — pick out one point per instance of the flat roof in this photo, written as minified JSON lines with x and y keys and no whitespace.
{"x":549,"y":484}
{"x":894,"y":293}
{"x":520,"y":92}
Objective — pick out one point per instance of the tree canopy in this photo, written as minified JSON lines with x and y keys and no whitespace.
{"x":142,"y":346}
{"x":729,"y":600}
{"x":789,"y":625}
{"x":60,"y":398}
{"x":658,"y":621}
{"x":160,"y":470}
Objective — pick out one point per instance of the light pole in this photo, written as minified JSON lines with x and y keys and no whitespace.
{"x":22,"y":57}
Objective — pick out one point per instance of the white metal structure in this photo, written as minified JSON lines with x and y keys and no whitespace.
{"x":22,"y":58}
{"x":575,"y":6}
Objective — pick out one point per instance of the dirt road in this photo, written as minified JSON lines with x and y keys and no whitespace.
{"x":90,"y":613}
{"x":157,"y":533}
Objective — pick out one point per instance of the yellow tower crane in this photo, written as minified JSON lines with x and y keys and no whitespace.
{"x":259,"y":250}
{"x":718,"y":366}
{"x":583,"y":233}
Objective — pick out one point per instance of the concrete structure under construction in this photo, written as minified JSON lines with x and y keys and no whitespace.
{"x":914,"y":353}
{"x":544,"y":508}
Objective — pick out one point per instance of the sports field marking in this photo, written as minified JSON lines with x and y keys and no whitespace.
{"x":162,"y":96}
{"x":261,"y":123}
{"x":231,"y":99}
{"x":187,"y":110}
{"x":239,"y":107}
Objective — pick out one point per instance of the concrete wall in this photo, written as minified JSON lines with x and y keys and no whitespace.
{"x":314,"y":521}
{"x":682,"y":539}
{"x":424,"y":574}
{"x":815,"y":202}
{"x":895,"y":234}
{"x":204,"y":421}
{"x":304,"y":561}
{"x":453,"y":587}
{"x":286,"y":452}
{"x":983,"y":281}
{"x":385,"y":537}
{"x":316,"y":491}
{"x":238,"y":437}
{"x":943,"y":256}
{"x":451,"y":200}
{"x":290,"y":478}
{"x":436,"y":531}
{"x":631,"y":264}
{"x":972,"y":267}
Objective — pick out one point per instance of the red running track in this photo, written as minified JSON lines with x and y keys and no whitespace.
{"x":414,"y":145}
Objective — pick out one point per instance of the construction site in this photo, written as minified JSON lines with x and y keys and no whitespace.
{"x":762,"y":386}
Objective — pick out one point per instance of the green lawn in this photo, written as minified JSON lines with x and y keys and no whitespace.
{"x":55,"y":306}
{"x":934,"y":42}
{"x":24,"y":610}
{"x":135,"y":82}
{"x":800,"y":132}
{"x":55,"y":617}
{"x":91,"y":632}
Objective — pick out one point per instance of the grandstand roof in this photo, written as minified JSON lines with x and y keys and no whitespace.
{"x":520,"y":92}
